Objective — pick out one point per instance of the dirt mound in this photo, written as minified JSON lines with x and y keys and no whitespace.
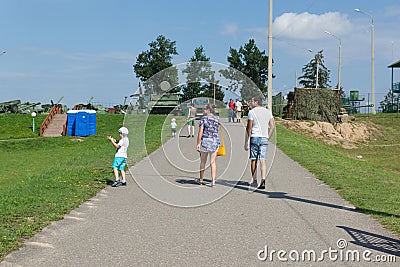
{"x":346,"y":134}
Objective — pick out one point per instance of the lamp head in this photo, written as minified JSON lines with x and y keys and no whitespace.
{"x":33,"y":114}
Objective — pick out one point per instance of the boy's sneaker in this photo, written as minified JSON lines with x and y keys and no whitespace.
{"x":122,"y":183}
{"x":116,"y":183}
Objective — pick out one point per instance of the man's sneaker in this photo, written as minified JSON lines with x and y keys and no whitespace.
{"x":262,"y":185}
{"x":122,"y":183}
{"x":116,"y":184}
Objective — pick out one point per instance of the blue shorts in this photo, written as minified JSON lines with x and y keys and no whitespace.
{"x":119,"y":163}
{"x":258,"y":147}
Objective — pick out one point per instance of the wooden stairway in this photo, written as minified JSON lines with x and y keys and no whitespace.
{"x":55,"y":127}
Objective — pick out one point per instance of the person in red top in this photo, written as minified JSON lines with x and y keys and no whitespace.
{"x":231,"y":113}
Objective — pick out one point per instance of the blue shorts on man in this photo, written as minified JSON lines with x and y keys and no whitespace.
{"x":258,"y":148}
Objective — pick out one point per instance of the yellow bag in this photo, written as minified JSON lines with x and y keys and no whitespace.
{"x":221,"y":149}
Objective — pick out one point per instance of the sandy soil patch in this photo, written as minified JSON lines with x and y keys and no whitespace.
{"x":346,"y":134}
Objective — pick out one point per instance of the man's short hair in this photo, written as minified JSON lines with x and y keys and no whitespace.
{"x":258,"y":99}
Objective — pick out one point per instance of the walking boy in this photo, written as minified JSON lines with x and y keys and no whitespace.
{"x":260,"y":127}
{"x":120,"y":156}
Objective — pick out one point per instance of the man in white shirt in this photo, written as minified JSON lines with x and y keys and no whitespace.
{"x":260,"y":127}
{"x":238,"y":108}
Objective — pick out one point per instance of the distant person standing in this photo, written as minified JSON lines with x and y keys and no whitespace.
{"x":120,"y":156}
{"x":208,"y":142}
{"x":260,"y":127}
{"x":173,"y":127}
{"x":231,"y":112}
{"x":238,"y":109}
{"x":191,"y":120}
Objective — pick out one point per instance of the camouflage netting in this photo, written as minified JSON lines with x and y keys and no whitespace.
{"x":320,"y":104}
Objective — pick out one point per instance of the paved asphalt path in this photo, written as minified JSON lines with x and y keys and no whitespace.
{"x":163,"y":218}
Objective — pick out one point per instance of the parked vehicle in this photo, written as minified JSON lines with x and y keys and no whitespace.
{"x":199,"y":103}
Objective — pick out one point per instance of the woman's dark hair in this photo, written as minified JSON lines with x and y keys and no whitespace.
{"x":210,"y":108}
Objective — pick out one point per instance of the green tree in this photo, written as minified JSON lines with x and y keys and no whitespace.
{"x":251,"y":62}
{"x":200,"y":77}
{"x":309,"y":77}
{"x":157,"y":60}
{"x":209,"y":91}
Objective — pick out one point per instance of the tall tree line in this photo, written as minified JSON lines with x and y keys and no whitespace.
{"x":247,"y":72}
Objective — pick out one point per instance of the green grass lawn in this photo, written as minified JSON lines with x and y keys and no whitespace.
{"x":41,"y":179}
{"x":371,"y":184}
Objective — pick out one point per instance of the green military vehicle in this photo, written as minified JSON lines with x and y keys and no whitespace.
{"x":15,"y":106}
{"x":165,"y":104}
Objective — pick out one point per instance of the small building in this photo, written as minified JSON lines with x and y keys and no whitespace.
{"x":395,"y":89}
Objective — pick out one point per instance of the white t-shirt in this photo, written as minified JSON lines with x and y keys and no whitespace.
{"x":192,"y":113}
{"x":122,"y":151}
{"x":260,"y":117}
{"x":238,"y":106}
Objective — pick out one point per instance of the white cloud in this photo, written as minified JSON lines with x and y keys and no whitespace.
{"x":13,"y":75}
{"x":392,"y":11}
{"x":306,"y":26}
{"x":119,"y":56}
{"x":230,"y":29}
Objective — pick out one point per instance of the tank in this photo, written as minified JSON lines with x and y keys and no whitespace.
{"x":165,"y":104}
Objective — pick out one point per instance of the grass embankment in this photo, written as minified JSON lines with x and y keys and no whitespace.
{"x":41,"y":179}
{"x":371,"y":184}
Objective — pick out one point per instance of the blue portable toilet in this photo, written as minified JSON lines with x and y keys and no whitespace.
{"x":81,"y":122}
{"x":92,"y":121}
{"x":71,"y":122}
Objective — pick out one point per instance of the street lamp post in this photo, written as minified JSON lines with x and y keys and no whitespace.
{"x":317,"y":70}
{"x":270,"y":57}
{"x":372,"y":61}
{"x":33,"y":114}
{"x":340,"y":57}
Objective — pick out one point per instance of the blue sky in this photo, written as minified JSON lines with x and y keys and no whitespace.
{"x":84,"y":48}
